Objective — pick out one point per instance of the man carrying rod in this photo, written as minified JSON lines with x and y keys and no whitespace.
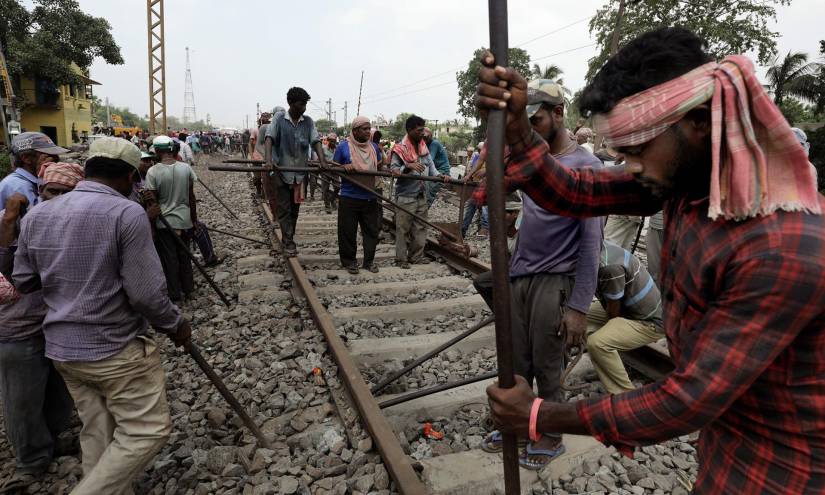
{"x":743,"y":261}
{"x":288,"y":140}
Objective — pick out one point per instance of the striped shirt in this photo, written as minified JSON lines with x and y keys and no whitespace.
{"x":623,"y":278}
{"x":91,"y":251}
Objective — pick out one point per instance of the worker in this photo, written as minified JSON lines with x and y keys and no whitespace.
{"x":100,"y":296}
{"x":743,"y":261}
{"x":442,"y":164}
{"x":288,"y":140}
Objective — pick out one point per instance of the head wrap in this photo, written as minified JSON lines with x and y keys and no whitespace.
{"x":758,"y":166}
{"x":67,"y":174}
{"x":359,"y":150}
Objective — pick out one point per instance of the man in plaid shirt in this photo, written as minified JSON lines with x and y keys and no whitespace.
{"x":743,"y":261}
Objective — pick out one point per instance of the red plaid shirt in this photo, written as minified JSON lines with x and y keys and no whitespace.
{"x":744,"y":313}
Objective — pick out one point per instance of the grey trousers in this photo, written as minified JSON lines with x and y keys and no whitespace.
{"x":288,"y":209}
{"x":621,"y":230}
{"x":653,"y":244}
{"x":36,"y":403}
{"x":410,"y":236}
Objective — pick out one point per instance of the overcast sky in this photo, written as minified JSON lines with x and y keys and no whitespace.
{"x":249,"y":52}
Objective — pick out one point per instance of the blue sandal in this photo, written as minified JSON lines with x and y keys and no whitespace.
{"x":547,"y":454}
{"x":493,"y":443}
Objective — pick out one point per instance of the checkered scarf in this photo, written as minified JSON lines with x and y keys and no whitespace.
{"x":758,"y":165}
{"x":68,"y":174}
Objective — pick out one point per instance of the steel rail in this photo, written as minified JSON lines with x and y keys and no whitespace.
{"x":396,"y":461}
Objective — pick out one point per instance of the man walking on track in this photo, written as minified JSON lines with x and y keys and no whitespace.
{"x":173,"y":184}
{"x":91,"y":253}
{"x":357,"y":206}
{"x":288,"y":140}
{"x":411,"y":156}
{"x":743,"y":261}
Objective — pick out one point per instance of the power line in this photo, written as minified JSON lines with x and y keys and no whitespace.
{"x":554,"y":31}
{"x":454,"y":81}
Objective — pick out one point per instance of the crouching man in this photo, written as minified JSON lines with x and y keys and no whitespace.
{"x":90,"y":253}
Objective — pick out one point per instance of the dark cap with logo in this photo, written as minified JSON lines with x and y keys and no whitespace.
{"x":36,"y":141}
{"x":543,"y":91}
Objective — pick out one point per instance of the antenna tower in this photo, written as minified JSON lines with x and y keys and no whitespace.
{"x":157,"y":67}
{"x":189,"y":95}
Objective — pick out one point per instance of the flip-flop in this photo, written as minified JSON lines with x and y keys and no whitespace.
{"x":493,"y":443}
{"x":549,"y":454}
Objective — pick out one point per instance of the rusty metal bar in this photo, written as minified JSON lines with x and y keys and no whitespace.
{"x":429,"y":355}
{"x":496,"y":121}
{"x":434,"y":390}
{"x":218,"y":198}
{"x":227,"y":395}
{"x":315,"y":169}
{"x":196,"y":263}
{"x":239,"y":236}
{"x":396,"y":461}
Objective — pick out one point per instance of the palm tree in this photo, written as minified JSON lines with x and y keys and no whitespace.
{"x":551,"y":71}
{"x":794,"y":76}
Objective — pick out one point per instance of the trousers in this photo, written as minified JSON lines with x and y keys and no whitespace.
{"x":36,"y":404}
{"x":614,"y":335}
{"x":352,"y":213}
{"x":121,"y":401}
{"x":470,"y":209}
{"x":177,"y":267}
{"x":621,"y":230}
{"x":410,"y":235}
{"x":287,"y":208}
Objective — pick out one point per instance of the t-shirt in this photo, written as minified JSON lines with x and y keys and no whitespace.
{"x":622,"y":277}
{"x":171,"y":184}
{"x":344,"y":157}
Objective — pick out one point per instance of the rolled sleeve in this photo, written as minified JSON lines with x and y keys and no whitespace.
{"x":142,"y":274}
{"x":766,"y":302}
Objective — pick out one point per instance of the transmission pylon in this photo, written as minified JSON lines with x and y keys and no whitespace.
{"x":189,"y":115}
{"x":157,"y":67}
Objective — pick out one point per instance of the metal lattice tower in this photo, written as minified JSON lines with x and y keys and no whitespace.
{"x":189,"y":115}
{"x":157,"y":67}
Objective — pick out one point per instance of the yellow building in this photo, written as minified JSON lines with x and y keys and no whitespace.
{"x":64,"y":112}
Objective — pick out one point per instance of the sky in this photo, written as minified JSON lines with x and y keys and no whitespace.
{"x":251,"y":52}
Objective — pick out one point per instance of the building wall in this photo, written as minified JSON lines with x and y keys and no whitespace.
{"x":69,"y":109}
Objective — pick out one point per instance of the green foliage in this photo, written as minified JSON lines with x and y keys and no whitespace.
{"x":325,"y":126}
{"x":817,"y":154}
{"x":395,"y":130}
{"x":457,"y":141}
{"x":468,"y":79}
{"x":795,"y":76}
{"x":46,"y":40}
{"x":728,"y":27}
{"x":795,"y":111}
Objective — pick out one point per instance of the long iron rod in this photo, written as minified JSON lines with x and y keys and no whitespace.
{"x":496,"y":120}
{"x":195,"y":262}
{"x":218,"y":198}
{"x":239,"y":236}
{"x":429,"y":355}
{"x":227,"y":395}
{"x":314,"y":169}
{"x":434,"y":390}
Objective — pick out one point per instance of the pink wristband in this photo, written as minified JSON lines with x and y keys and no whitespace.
{"x":534,"y":416}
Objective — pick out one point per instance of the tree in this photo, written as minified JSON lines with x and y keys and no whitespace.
{"x":793,"y":76}
{"x":45,"y":41}
{"x":395,"y":131}
{"x":468,"y":79}
{"x":551,"y":71}
{"x":325,"y":126}
{"x":726,"y":26}
{"x":795,"y":111}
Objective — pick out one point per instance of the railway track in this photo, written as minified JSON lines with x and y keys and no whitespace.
{"x":375,"y":323}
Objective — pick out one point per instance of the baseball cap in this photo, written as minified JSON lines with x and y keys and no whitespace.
{"x":116,"y":149}
{"x":543,"y":91}
{"x":35,"y":141}
{"x":163,"y":143}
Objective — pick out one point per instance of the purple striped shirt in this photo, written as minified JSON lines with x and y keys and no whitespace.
{"x":91,"y":251}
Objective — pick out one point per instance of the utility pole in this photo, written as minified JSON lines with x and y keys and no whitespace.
{"x":157,"y":67}
{"x":108,"y":114}
{"x":257,"y":112}
{"x":189,"y":115}
{"x":361,"y":88}
{"x":346,"y":115}
{"x":329,"y":109}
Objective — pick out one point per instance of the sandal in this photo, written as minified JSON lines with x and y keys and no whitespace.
{"x":493,"y":443}
{"x":546,"y":455}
